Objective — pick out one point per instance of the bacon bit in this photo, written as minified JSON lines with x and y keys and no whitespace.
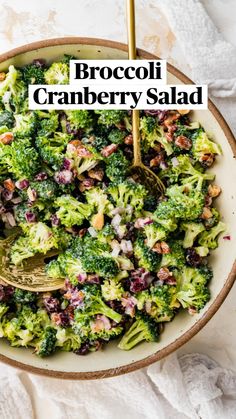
{"x":128,"y":139}
{"x":108,"y":150}
{"x":9,"y":185}
{"x":183,"y":142}
{"x":169,"y":137}
{"x":96,"y":173}
{"x":101,"y":323}
{"x":171,"y":118}
{"x":183,"y":111}
{"x":207,"y":159}
{"x":129,"y":302}
{"x":227,"y":237}
{"x":98,"y":221}
{"x":214,"y":191}
{"x":2,"y":76}
{"x":206,"y":214}
{"x":141,"y":222}
{"x":157,"y":160}
{"x":6,"y":138}
{"x":86,"y":184}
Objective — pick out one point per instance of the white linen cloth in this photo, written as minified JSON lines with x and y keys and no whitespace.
{"x":193,"y":386}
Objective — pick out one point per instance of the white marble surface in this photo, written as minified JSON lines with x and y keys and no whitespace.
{"x":25,"y":21}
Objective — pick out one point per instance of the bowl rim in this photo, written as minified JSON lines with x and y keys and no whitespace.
{"x":185,"y":337}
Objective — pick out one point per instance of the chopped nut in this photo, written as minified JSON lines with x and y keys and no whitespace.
{"x":206,"y":214}
{"x":98,"y":221}
{"x":96,"y":173}
{"x":214,"y":191}
{"x":165,"y":248}
{"x":2,"y":76}
{"x":183,"y":142}
{"x":82,"y":232}
{"x":6,"y":138}
{"x":163,"y":274}
{"x":32,"y":194}
{"x":171,"y":118}
{"x":108,"y":150}
{"x":75,"y":143}
{"x":157,"y":248}
{"x":169,"y":137}
{"x":86,"y":184}
{"x":9,"y":185}
{"x":207,"y":159}
{"x":128,"y":139}
{"x":83,"y":152}
{"x":184,"y":111}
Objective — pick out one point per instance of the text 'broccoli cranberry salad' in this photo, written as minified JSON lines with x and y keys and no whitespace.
{"x":130,"y":261}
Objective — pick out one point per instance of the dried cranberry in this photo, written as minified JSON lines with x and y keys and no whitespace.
{"x":2,"y":293}
{"x":41,"y":176}
{"x":193,"y":258}
{"x":30,"y":217}
{"x":140,"y":280}
{"x":83,"y":350}
{"x":55,"y":220}
{"x":51,"y":304}
{"x":22,"y":184}
{"x":67,"y":164}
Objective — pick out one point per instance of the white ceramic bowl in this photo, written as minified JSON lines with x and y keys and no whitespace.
{"x":112,"y":361}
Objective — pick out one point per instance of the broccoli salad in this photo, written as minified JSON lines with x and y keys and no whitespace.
{"x":130,"y":261}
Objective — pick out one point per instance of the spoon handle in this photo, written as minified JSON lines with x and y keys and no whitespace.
{"x":132,"y":56}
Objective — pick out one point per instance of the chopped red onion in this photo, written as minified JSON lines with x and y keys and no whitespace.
{"x":10,"y":219}
{"x":67,"y":164}
{"x":7,"y":195}
{"x":55,"y":220}
{"x":17,"y":200}
{"x":32,"y":194}
{"x":163,"y":165}
{"x":115,"y":222}
{"x":175,"y":161}
{"x":22,"y":184}
{"x":227,"y":237}
{"x":64,"y":177}
{"x":30,"y":217}
{"x":41,"y":176}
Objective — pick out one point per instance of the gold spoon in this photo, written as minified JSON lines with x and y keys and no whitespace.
{"x":138,"y":171}
{"x":31,"y":275}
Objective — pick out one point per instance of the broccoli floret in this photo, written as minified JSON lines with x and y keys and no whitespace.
{"x":202,"y":145}
{"x":25,"y":125}
{"x":209,"y":238}
{"x":213,"y":220}
{"x":33,"y":74}
{"x":80,"y":119}
{"x":6,"y":119}
{"x":188,"y":174}
{"x":22,"y":159}
{"x":53,"y":270}
{"x":169,"y":224}
{"x":129,"y":196}
{"x":67,"y":340}
{"x":45,"y":189}
{"x":111,"y":117}
{"x":93,"y":304}
{"x":176,"y":257}
{"x":13,"y":90}
{"x":51,"y":150}
{"x":146,"y":257}
{"x":104,"y":266}
{"x":99,"y":200}
{"x":107,"y":234}
{"x":192,"y":290}
{"x":143,"y":329}
{"x":159,"y":302}
{"x":84,"y":161}
{"x":152,"y":134}
{"x":154,"y":232}
{"x":21,"y":250}
{"x":100,"y":142}
{"x":46,"y":344}
{"x":150,"y":203}
{"x":3,"y":310}
{"x":67,"y":266}
{"x":116,"y":136}
{"x":100,"y":331}
{"x":24,"y":297}
{"x":72,"y":212}
{"x":192,"y":230}
{"x":58,"y":73}
{"x":16,"y":334}
{"x":183,"y":204}
{"x":112,"y":290}
{"x":117,"y":166}
{"x":48,"y":123}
